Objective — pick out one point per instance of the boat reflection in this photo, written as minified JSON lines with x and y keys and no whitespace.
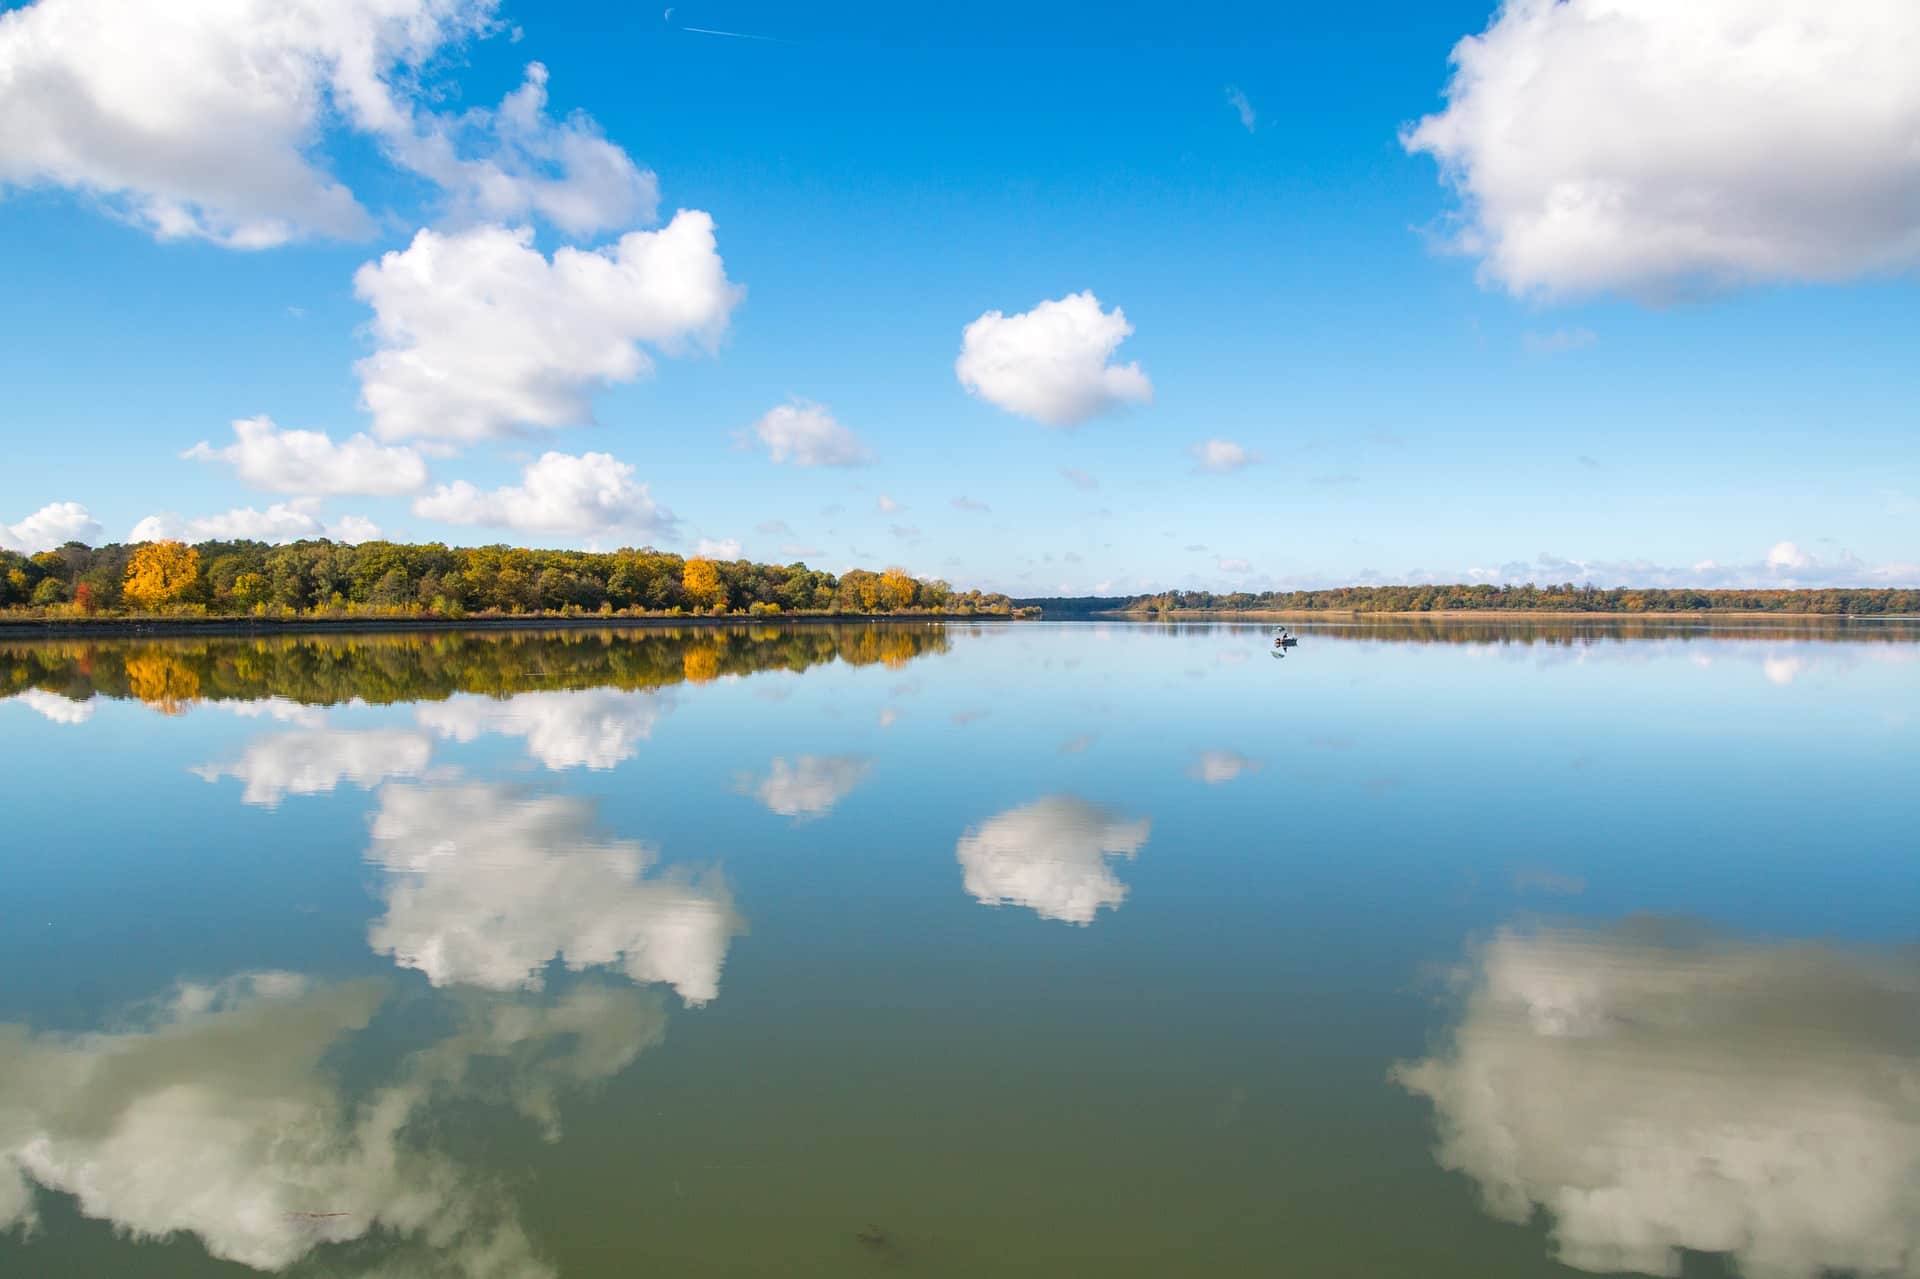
{"x":1657,"y":1092}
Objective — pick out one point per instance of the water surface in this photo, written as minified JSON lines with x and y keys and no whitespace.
{"x":1475,"y":949}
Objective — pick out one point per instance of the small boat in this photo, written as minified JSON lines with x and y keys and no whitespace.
{"x":1283,"y":640}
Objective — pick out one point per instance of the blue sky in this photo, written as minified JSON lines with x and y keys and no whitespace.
{"x":1657,"y":327}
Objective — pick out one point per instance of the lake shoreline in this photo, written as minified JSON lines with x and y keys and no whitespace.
{"x":155,"y":627}
{"x":1477,"y":614}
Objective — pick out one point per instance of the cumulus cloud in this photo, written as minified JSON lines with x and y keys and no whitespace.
{"x":517,"y":161}
{"x":810,"y":786}
{"x":563,"y":728}
{"x":237,"y":1081}
{"x":1229,"y":564}
{"x":267,"y":457}
{"x":1215,"y":767}
{"x":486,"y":886}
{"x":206,"y":120}
{"x":1050,"y":856}
{"x":1655,"y":1094}
{"x":1221,"y":457}
{"x":53,"y":525}
{"x":718,"y":548}
{"x":61,"y":710}
{"x":1742,"y":141}
{"x":480,"y":335}
{"x":316,"y":761}
{"x":281,"y":522}
{"x":806,"y":434}
{"x":1053,"y":363}
{"x":591,"y":494}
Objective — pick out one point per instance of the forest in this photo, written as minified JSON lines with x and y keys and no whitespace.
{"x":1482,"y":597}
{"x":391,"y":579}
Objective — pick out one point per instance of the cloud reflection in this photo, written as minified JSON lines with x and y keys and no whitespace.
{"x":809,"y":787}
{"x":564,"y":728}
{"x":215,"y":1112}
{"x":316,"y":761}
{"x":1655,"y":1094}
{"x":61,"y":710}
{"x":487,"y":885}
{"x":1050,"y":856}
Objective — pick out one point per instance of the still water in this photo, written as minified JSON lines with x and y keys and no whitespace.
{"x":1022,"y":949}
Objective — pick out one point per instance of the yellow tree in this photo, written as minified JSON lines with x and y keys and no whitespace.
{"x":160,"y":573}
{"x":701,"y":580}
{"x":897,"y":588}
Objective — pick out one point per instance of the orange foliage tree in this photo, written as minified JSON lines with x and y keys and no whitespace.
{"x":161,"y":573}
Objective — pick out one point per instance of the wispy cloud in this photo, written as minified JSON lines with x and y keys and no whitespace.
{"x":1238,"y":101}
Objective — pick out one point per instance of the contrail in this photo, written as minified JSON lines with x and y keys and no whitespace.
{"x":737,"y":35}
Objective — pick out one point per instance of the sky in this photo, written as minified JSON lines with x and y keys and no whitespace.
{"x":1049,"y":299}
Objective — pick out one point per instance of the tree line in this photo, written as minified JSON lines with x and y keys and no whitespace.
{"x":323,"y":578}
{"x":1483,"y":597}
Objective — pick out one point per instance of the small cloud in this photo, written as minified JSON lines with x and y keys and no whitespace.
{"x":805,"y":434}
{"x":296,"y":313}
{"x":1079,"y":478}
{"x":1238,"y":101}
{"x":1221,"y":457}
{"x":796,"y":551}
{"x":1558,"y":341}
{"x":1217,"y":767}
{"x":888,"y":506}
{"x":889,"y":716}
{"x":1539,"y":879}
{"x":1195,"y":548}
{"x":1590,"y":463}
{"x":963,"y":718}
{"x":723,"y":548}
{"x":772,"y":528}
{"x":1227,"y":564}
{"x":1787,"y":555}
{"x":1078,"y":745}
{"x":905,"y":532}
{"x":1053,"y":364}
{"x":968,"y":504}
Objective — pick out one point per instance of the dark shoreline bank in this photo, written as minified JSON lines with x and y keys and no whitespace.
{"x":160,"y":627}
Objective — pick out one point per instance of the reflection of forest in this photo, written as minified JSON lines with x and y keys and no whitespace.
{"x":325,"y":669}
{"x":1572,"y":631}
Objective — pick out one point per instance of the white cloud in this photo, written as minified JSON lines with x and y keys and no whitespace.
{"x":266,"y":457}
{"x":1741,"y":141}
{"x":1242,"y":107}
{"x":1215,"y":767}
{"x":588,"y":494}
{"x":1052,"y":363}
{"x":1785,"y":567}
{"x":806,"y":434}
{"x":202,"y":119}
{"x":1654,"y":1095}
{"x":810,"y":786}
{"x":720,"y":548}
{"x":964,"y":503}
{"x":563,"y":728}
{"x":61,"y":710}
{"x":281,"y":522}
{"x":521,"y":162}
{"x":1050,"y":856}
{"x":1221,"y":457}
{"x":53,"y":525}
{"x":487,"y":886}
{"x":888,"y":506}
{"x":1229,"y":564}
{"x":479,"y":335}
{"x":316,"y":761}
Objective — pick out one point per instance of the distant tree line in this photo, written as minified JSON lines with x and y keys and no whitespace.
{"x":1482,"y":597}
{"x":322,"y":578}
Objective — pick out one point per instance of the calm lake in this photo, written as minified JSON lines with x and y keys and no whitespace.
{"x":1427,"y":949}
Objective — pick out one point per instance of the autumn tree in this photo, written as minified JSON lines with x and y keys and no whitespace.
{"x":701,"y":581}
{"x":897,"y":589}
{"x":161,"y":573}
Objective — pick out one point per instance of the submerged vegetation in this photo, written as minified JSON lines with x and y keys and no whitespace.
{"x":391,"y":579}
{"x":1528,"y":598}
